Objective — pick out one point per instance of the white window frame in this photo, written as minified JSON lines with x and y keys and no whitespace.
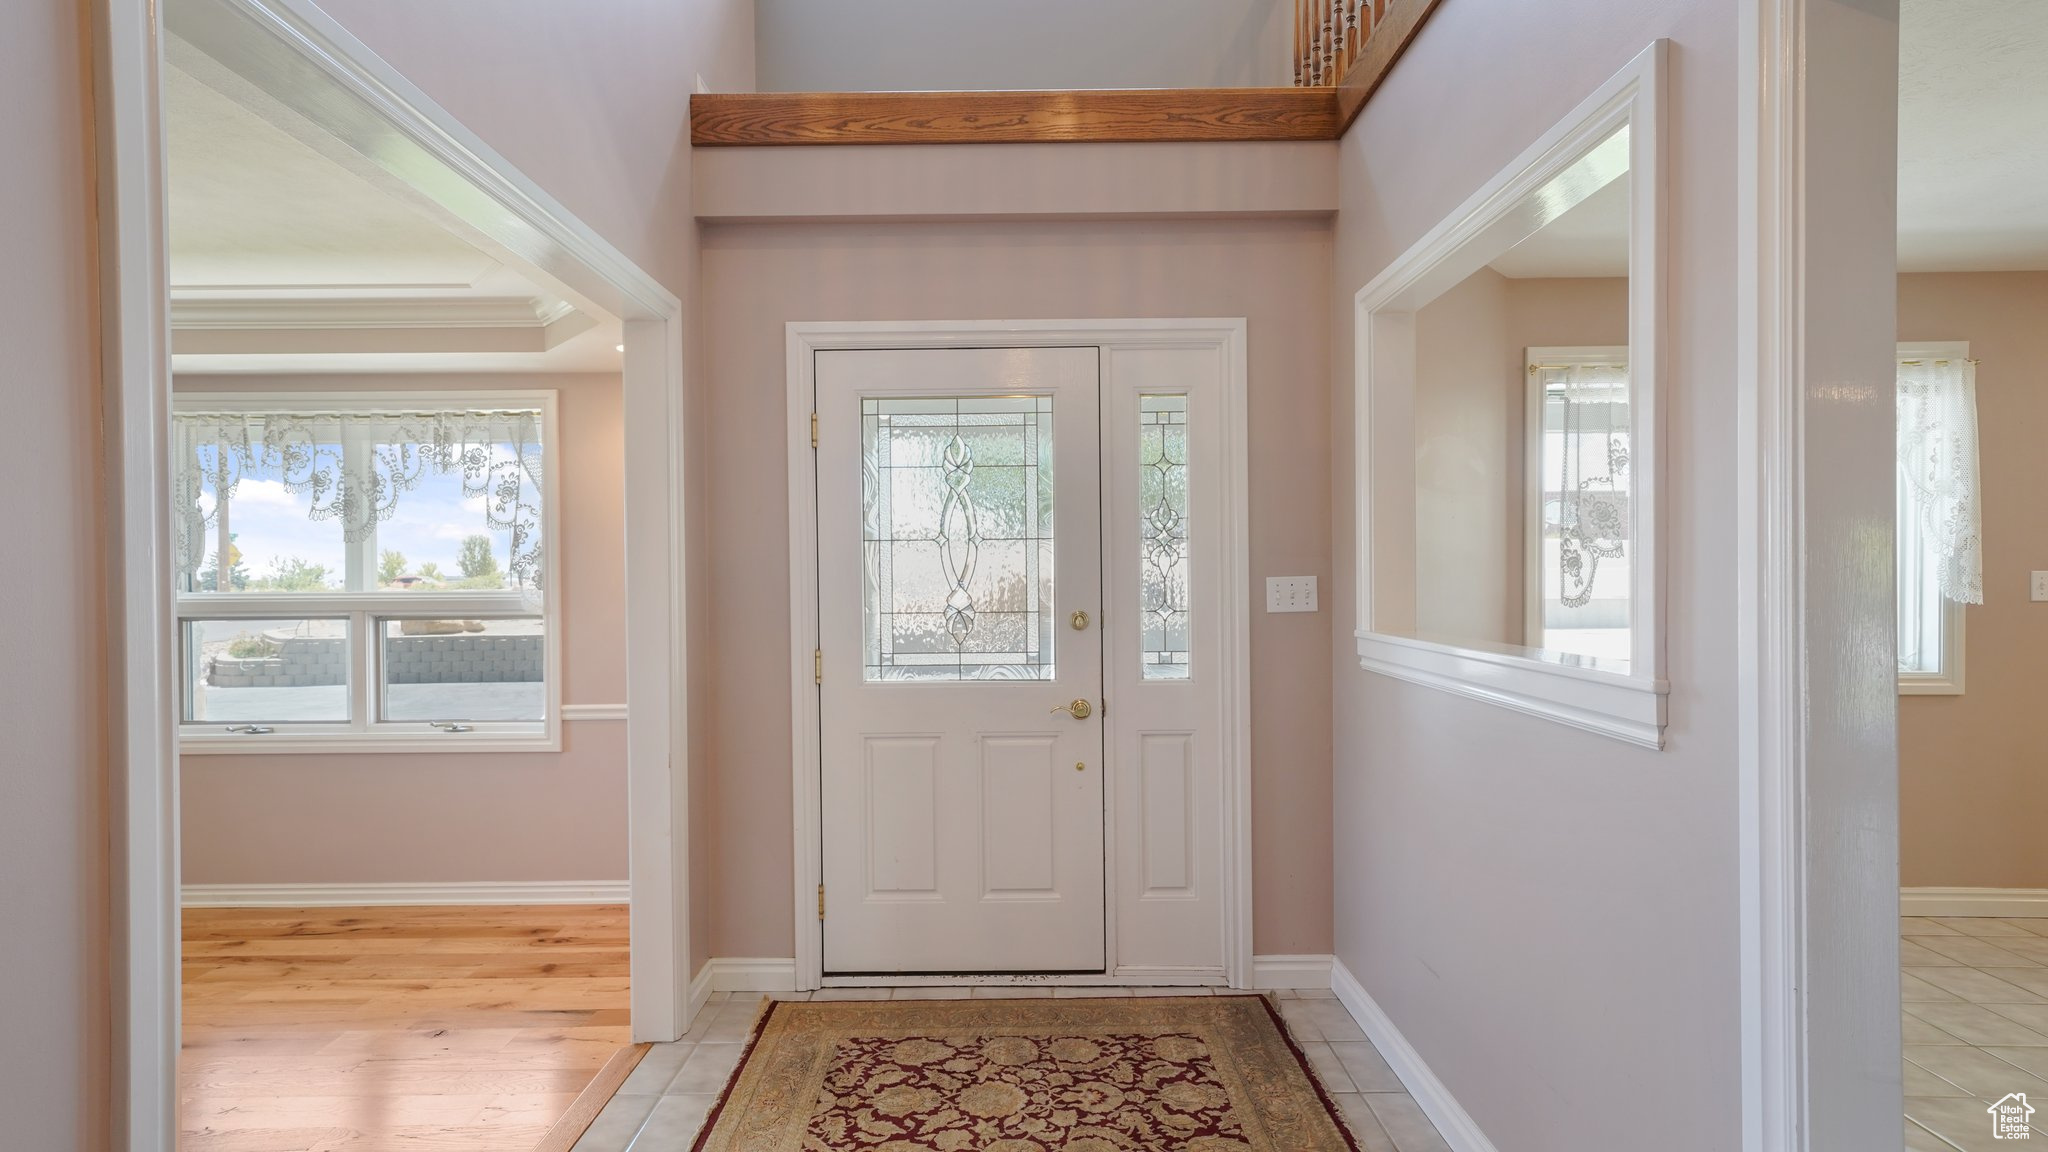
{"x":364,"y":609}
{"x":1532,"y":468}
{"x":1597,"y":696}
{"x":1948,"y":679}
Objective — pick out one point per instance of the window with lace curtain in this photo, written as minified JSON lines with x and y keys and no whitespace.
{"x":1939,"y":542}
{"x":365,"y":570}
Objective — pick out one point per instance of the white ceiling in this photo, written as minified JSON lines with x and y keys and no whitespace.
{"x":1973,"y":135}
{"x":286,"y":257}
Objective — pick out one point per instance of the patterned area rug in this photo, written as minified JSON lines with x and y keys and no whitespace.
{"x":1165,"y":1074}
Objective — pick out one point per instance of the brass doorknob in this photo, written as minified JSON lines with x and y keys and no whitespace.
{"x":1079,"y":709}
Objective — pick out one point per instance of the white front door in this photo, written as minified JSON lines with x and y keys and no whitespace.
{"x":960,"y":586}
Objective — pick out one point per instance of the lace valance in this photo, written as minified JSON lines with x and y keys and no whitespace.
{"x":354,"y":467}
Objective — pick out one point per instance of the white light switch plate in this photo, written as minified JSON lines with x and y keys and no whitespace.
{"x":2041,"y":585}
{"x":1290,"y":593}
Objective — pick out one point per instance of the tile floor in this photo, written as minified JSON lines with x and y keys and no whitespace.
{"x":1975,"y":992}
{"x":663,"y":1103}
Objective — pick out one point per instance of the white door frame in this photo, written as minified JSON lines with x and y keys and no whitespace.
{"x":1817,"y":786}
{"x":304,"y":58}
{"x":804,"y":340}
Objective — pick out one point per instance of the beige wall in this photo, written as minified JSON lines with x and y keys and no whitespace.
{"x":1550,"y":917}
{"x":757,"y":277}
{"x":592,"y":101}
{"x":54,"y":1071}
{"x":450,"y":817}
{"x":1973,"y":769}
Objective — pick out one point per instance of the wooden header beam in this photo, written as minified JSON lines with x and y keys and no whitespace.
{"x":1107,"y":116}
{"x":1123,"y":116}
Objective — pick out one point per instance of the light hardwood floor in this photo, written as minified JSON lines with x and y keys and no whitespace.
{"x":378,"y":1029}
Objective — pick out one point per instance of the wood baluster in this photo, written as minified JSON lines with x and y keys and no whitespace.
{"x":1340,"y":42}
{"x":1329,"y":43}
{"x":1353,"y":37}
{"x":1301,"y":41}
{"x":1315,"y":49}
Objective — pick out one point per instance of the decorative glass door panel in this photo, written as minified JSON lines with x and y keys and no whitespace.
{"x":957,"y":523}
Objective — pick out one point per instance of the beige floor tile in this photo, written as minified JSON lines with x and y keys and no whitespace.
{"x":1304,"y":993}
{"x":1918,"y":956}
{"x":2034,"y":1060}
{"x":2034,"y":925}
{"x":707,"y":1070}
{"x":1301,"y":1023}
{"x":1328,"y":1068}
{"x":656,"y":1069}
{"x":1090,"y":992}
{"x":1925,"y":926}
{"x":1963,"y":1123}
{"x":1975,"y":1071}
{"x":1913,"y":989}
{"x":2034,"y":980}
{"x":2034,"y":1016}
{"x":1914,"y":1030}
{"x":2033,"y":948}
{"x":1333,"y":1020}
{"x":1011,"y":991}
{"x":1981,"y":953}
{"x":1366,"y":1067}
{"x":1166,"y":991}
{"x":1976,"y":985}
{"x":1919,"y":1139}
{"x":674,"y":1123}
{"x":1405,"y":1123}
{"x":1982,"y":926}
{"x":1921,"y":1082}
{"x":732,"y":1025}
{"x":1976,"y":1024}
{"x":615,"y":1127}
{"x":1365,"y":1127}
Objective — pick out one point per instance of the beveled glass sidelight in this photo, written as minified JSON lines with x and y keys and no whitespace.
{"x":957,"y":534}
{"x":1163,"y":560}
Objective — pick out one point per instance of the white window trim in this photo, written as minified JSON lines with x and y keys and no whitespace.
{"x":1948,"y":681}
{"x":364,"y":733}
{"x":1627,"y":705}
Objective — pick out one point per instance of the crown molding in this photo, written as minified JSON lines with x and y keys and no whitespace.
{"x":256,"y":314}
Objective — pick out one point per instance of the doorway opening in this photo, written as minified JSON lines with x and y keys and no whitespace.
{"x":402,"y":442}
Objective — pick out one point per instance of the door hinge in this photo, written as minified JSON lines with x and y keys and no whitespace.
{"x":818,"y":666}
{"x":814,"y":429}
{"x":821,"y":901}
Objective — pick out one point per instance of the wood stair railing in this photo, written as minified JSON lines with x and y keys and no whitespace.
{"x":1344,"y":49}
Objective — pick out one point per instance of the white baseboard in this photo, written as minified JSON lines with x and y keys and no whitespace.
{"x":700,"y":991}
{"x":400,"y":895}
{"x":740,"y":974}
{"x":1291,"y":971}
{"x":751,"y":973}
{"x":1973,"y":901}
{"x":1456,"y":1127}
